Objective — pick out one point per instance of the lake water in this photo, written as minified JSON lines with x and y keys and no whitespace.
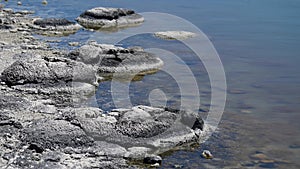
{"x":258,"y":42}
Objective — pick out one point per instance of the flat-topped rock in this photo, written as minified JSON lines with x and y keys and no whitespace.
{"x":102,"y":18}
{"x":55,"y":26}
{"x":113,"y":59}
{"x":47,"y":71}
{"x":175,"y":35}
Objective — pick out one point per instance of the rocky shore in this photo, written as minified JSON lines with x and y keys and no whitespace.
{"x":42,"y":121}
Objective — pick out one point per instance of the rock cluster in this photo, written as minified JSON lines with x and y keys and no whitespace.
{"x":43,"y":123}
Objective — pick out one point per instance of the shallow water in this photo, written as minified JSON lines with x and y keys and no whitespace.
{"x":258,"y":42}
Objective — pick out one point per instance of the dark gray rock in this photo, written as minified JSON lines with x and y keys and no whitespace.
{"x":53,"y":22}
{"x":36,"y":147}
{"x":53,"y":134}
{"x":99,"y":18}
{"x":45,"y":71}
{"x":55,"y":26}
{"x":112,"y":59}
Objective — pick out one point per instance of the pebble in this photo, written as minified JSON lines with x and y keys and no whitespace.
{"x":73,"y":43}
{"x":18,"y":15}
{"x":44,"y":2}
{"x":267,"y":161}
{"x":259,"y":156}
{"x":207,"y":154}
{"x":178,"y":166}
{"x":295,"y":146}
{"x":248,"y":164}
{"x":236,"y":91}
{"x":155,"y":165}
{"x":246,"y":111}
{"x":76,"y":156}
{"x":23,"y":29}
{"x":13,"y":31}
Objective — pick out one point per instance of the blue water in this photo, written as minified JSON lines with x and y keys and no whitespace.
{"x":259,"y":44}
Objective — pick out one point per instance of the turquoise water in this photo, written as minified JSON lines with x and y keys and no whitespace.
{"x":258,"y":42}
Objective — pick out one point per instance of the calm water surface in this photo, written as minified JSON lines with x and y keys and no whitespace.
{"x":259,"y":44}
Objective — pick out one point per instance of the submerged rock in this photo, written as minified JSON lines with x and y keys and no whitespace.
{"x":55,"y":26}
{"x":47,"y":71}
{"x":112,"y":59}
{"x":102,"y":18}
{"x":175,"y":35}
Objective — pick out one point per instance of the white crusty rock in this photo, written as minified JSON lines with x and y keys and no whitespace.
{"x":101,"y":18}
{"x":173,"y":35}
